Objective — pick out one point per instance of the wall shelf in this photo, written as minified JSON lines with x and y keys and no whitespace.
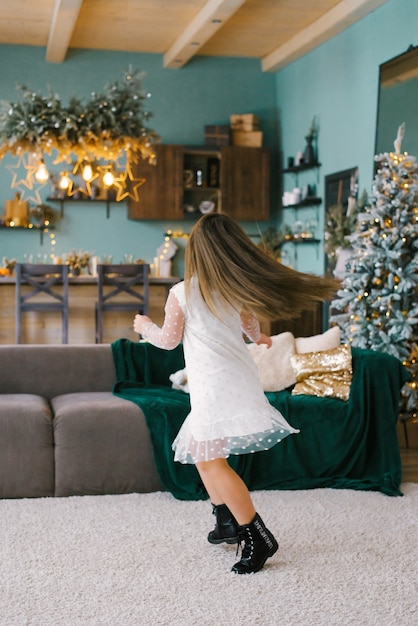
{"x":297,"y":241}
{"x":310,"y":201}
{"x":300,"y":168}
{"x":63,"y":201}
{"x":235,"y":179}
{"x":41,"y":229}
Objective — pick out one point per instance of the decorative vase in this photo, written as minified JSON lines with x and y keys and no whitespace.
{"x":309,"y":154}
{"x":342,"y":255}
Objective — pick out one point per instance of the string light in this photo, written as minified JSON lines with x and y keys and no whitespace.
{"x":65,"y":181}
{"x":87,"y":173}
{"x":108,"y":178}
{"x":42,"y":174}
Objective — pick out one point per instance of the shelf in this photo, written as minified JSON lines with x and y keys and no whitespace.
{"x":202,"y":188}
{"x":86,"y":200}
{"x":301,"y":168}
{"x":236,"y":179}
{"x":300,"y":240}
{"x":41,"y":229}
{"x":312,"y":201}
{"x":203,"y":150}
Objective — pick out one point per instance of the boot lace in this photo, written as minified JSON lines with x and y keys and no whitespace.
{"x":245,"y":537}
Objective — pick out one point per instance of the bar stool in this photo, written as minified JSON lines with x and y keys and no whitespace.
{"x":123,"y":278}
{"x":44,"y":279}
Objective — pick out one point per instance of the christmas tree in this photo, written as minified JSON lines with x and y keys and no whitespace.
{"x":379,"y":295}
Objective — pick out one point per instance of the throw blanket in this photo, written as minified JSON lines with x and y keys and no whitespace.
{"x":344,"y":445}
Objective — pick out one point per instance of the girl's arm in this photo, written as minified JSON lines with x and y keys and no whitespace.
{"x":171,"y":333}
{"x":251,"y":327}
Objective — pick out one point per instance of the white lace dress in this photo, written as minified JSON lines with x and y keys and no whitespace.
{"x":229,"y":412}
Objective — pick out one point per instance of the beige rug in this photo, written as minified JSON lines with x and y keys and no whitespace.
{"x":345,"y":558}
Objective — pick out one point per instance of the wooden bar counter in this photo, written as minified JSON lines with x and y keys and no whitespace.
{"x":43,"y":328}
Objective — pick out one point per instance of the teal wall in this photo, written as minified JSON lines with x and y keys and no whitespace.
{"x":183,"y":101}
{"x":338,"y":83}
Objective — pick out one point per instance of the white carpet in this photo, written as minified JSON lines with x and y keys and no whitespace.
{"x":345,"y":558}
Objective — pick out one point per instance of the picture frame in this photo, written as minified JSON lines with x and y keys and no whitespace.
{"x":340,"y":186}
{"x":341,"y":192}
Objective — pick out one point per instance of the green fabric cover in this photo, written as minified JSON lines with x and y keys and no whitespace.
{"x":344,"y":445}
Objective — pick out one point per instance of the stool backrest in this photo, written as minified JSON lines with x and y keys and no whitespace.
{"x":118,"y":291}
{"x":47,"y":280}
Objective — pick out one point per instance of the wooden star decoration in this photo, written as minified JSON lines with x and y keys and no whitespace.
{"x":77,"y":164}
{"x":30,"y":169}
{"x":36,"y":198}
{"x":86,"y":191}
{"x":127,"y":185}
{"x":133,"y":186}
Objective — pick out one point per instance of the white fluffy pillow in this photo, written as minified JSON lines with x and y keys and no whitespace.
{"x":274,"y":367}
{"x":179,"y":380}
{"x":330,"y":339}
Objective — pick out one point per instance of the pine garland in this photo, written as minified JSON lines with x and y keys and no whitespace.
{"x":108,"y":125}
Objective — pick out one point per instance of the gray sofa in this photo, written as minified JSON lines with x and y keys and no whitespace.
{"x":62,"y":431}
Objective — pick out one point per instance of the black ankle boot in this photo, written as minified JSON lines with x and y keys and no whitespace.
{"x":259,"y":545}
{"x":226,"y":527}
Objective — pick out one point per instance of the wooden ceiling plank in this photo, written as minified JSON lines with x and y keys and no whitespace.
{"x":62,"y":26}
{"x":343,"y":15}
{"x":209,"y":19}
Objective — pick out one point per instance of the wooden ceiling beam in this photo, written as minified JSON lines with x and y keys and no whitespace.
{"x":340,"y":17}
{"x":209,"y":19}
{"x":63,"y":23}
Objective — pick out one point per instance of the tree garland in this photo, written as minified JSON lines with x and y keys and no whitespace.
{"x":110,"y":125}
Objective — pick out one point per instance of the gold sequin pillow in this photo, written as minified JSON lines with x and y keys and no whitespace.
{"x":327,"y":373}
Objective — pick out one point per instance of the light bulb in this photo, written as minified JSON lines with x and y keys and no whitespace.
{"x":108,"y":178}
{"x":64,"y":181}
{"x":87,"y":172}
{"x":41,"y":173}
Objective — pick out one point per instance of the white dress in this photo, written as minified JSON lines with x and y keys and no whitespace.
{"x":229,"y":414}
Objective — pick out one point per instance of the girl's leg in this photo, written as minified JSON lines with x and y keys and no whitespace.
{"x":259,"y":543}
{"x":225,"y":486}
{"x":226,"y":526}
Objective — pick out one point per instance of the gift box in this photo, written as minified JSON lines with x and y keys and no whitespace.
{"x":217,"y":135}
{"x":251,"y":139}
{"x":246,"y":122}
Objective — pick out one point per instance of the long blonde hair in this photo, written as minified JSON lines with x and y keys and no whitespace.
{"x":231,"y":267}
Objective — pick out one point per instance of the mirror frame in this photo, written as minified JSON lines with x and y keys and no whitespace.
{"x":398,"y":69}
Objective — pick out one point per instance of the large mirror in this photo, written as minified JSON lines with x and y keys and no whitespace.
{"x":398,"y":102}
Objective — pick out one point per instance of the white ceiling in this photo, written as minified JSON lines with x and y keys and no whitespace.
{"x":275,"y":31}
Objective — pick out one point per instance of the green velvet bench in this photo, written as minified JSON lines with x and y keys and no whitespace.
{"x":342,"y":444}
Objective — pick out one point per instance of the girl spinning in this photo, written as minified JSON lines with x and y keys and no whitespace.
{"x":228,"y":283}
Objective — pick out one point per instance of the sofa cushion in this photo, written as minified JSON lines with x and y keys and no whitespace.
{"x":327,"y":340}
{"x":26,"y":447}
{"x":102,"y":446}
{"x":327,"y":373}
{"x":51,"y":370}
{"x":273,"y":364}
